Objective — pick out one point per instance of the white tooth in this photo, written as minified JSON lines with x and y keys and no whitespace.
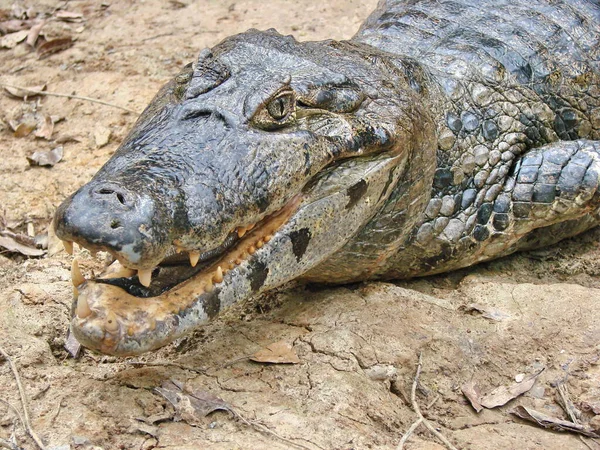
{"x":76,"y":277}
{"x":241,"y":232}
{"x":68,"y":245}
{"x":83,"y":308}
{"x":194,"y":257}
{"x":218,"y":276}
{"x":145,"y":276}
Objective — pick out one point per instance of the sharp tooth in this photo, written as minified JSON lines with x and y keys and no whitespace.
{"x":259,"y":244}
{"x":83,"y":308}
{"x":194,"y":257}
{"x":230,"y":266}
{"x":241,"y":232}
{"x":145,"y":276}
{"x":251,"y":249}
{"x":218,"y":276}
{"x":111,"y":324}
{"x":76,"y":277}
{"x":68,"y":245}
{"x":249,"y":227}
{"x":267,"y":238}
{"x":209,"y":286}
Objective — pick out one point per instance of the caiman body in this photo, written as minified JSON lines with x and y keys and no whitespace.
{"x":443,"y":134}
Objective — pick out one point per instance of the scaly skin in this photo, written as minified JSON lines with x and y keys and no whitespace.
{"x":443,"y":134}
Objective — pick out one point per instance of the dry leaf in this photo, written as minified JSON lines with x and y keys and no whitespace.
{"x":68,"y":16}
{"x":503,"y":394}
{"x":34,"y":32}
{"x":46,"y":158}
{"x":12,"y":39}
{"x":12,"y":243}
{"x":191,"y":406}
{"x":471,"y":391}
{"x":45,"y":131}
{"x":25,"y":92}
{"x":54,"y":46}
{"x":276,"y":353}
{"x":24,"y":129}
{"x":552,"y":423}
{"x":72,"y":345}
{"x":488,"y":312}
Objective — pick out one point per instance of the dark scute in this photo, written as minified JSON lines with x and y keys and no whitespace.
{"x":481,"y":233}
{"x":300,"y":239}
{"x":212,"y":304}
{"x":501,"y":221}
{"x":490,"y":130}
{"x":454,"y":122}
{"x":502,"y":204}
{"x":443,"y":178}
{"x":258,"y":272}
{"x":468,"y":198}
{"x":521,"y":209}
{"x":544,"y":193}
{"x":484,"y":213}
{"x":469,"y":120}
{"x":355,"y":193}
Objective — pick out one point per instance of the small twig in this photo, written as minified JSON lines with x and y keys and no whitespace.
{"x":25,"y":418}
{"x":417,"y":409}
{"x":410,"y":431}
{"x":76,"y":97}
{"x":167,"y":364}
{"x":570,"y":408}
{"x":9,"y":445}
{"x":432,"y":402}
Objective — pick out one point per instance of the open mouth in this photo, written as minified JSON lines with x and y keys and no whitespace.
{"x":124,"y":302}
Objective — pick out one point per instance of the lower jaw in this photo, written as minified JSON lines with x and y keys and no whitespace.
{"x":104,"y":315}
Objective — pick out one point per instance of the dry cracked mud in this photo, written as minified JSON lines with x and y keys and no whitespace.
{"x":358,"y":345}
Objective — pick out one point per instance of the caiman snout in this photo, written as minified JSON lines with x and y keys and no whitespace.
{"x":109,"y":216}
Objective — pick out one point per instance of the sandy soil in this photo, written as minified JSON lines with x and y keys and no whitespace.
{"x":358,"y":345}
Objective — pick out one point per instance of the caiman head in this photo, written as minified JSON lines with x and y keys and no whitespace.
{"x":250,"y":167}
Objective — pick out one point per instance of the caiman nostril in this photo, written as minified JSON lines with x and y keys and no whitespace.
{"x":113,"y":193}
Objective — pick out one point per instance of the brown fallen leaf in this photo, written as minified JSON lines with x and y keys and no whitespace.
{"x":12,"y":39}
{"x":503,"y":394}
{"x":276,"y":353}
{"x":471,"y":391}
{"x":24,"y":92}
{"x":46,"y":158}
{"x":191,"y":406}
{"x":552,"y":423}
{"x":24,"y":129}
{"x":45,"y":131}
{"x":17,"y":243}
{"x":53,"y":46}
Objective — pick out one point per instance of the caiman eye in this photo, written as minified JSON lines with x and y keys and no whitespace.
{"x":278,"y":112}
{"x":280,"y":107}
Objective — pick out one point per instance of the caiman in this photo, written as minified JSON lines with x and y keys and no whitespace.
{"x":444,"y":133}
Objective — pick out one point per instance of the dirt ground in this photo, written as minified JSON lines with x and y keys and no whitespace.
{"x":358,"y":345}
